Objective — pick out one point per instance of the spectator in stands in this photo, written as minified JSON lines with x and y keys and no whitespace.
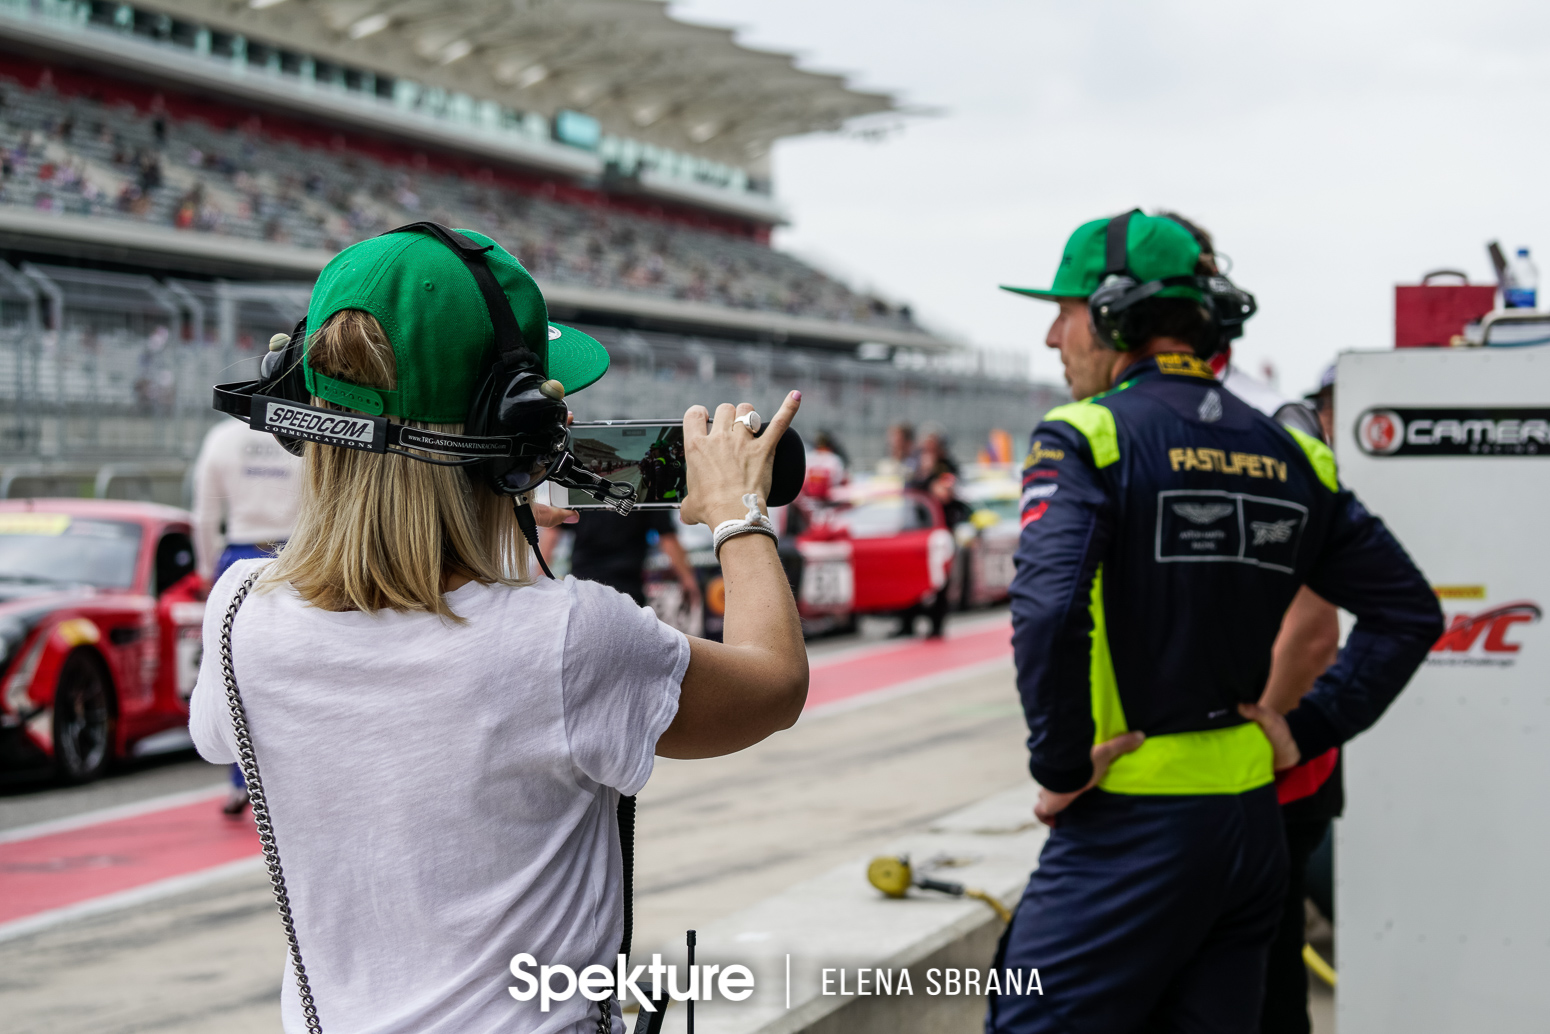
{"x":246,"y":489}
{"x":325,"y":198}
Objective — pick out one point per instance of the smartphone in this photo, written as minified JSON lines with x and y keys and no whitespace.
{"x":647,"y":455}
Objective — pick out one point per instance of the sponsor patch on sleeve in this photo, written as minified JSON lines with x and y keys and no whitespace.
{"x":1039,"y":491}
{"x":1039,"y":452}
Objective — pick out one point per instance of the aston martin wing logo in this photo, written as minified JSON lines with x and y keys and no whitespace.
{"x":1272,"y":531}
{"x":1203,"y":513}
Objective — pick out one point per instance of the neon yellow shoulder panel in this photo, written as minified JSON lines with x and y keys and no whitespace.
{"x":1320,"y":456}
{"x":1096,"y":423}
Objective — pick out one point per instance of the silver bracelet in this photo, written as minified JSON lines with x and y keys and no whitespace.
{"x":754,"y":523}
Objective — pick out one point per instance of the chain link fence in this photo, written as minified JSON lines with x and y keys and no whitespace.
{"x":105,"y":380}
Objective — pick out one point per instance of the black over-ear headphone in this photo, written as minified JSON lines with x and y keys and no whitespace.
{"x":1227,"y":306}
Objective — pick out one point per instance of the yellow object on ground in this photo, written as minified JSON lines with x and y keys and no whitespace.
{"x":1000,"y":909}
{"x":894,"y":877}
{"x":1323,"y":970}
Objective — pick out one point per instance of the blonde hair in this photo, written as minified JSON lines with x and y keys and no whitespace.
{"x":380,"y":531}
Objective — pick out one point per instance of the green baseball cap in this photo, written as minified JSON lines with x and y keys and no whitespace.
{"x":439,"y":326}
{"x":1156,"y":247}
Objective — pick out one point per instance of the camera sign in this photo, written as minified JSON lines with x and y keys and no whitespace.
{"x":1454,"y":432}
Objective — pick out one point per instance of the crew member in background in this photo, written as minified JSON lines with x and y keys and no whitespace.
{"x":936,"y":475}
{"x":1311,"y":794}
{"x":901,"y":461}
{"x":611,"y":549}
{"x":1323,"y":402}
{"x":245,"y":494}
{"x":1167,"y":526}
{"x":827,"y":467}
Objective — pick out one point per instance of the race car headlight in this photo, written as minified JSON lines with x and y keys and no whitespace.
{"x":17,"y":697}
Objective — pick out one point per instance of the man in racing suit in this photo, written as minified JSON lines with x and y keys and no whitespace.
{"x":1167,"y":525}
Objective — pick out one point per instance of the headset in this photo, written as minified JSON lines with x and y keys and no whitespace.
{"x":1227,"y":306}
{"x":514,"y":436}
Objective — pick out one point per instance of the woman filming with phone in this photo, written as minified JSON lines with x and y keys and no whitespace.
{"x":443,"y":737}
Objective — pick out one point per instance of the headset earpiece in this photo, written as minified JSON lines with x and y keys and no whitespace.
{"x":281,"y":376}
{"x":511,"y":403}
{"x":1107,"y":306}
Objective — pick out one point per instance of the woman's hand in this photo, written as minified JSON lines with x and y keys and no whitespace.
{"x":553,"y":516}
{"x":726,"y":462}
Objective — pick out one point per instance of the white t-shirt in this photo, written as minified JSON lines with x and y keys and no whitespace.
{"x":247,"y":479}
{"x":443,"y":794}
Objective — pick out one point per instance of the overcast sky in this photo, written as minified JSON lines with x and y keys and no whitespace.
{"x":1334,"y":149}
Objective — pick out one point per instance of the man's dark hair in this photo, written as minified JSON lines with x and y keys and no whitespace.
{"x":1178,"y":318}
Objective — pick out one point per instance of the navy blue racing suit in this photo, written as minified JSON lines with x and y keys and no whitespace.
{"x":1166,"y":527}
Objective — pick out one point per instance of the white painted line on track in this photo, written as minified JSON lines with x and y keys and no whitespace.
{"x":169,"y":887}
{"x":118,"y":811}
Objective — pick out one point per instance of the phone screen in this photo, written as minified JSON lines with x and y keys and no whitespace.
{"x":647,"y":455}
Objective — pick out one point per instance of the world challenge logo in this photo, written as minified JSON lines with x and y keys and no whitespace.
{"x":1480,"y":640}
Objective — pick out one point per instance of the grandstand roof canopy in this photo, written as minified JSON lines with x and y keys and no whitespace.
{"x":625,"y":62}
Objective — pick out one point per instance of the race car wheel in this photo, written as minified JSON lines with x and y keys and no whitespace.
{"x":83,"y":719}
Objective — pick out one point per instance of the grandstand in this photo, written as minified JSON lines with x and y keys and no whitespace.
{"x":106,"y":150}
{"x":171,"y":178}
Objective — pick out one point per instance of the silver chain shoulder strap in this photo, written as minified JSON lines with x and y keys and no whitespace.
{"x":249,"y":763}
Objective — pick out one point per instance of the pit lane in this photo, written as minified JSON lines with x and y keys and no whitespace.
{"x":898,"y":732}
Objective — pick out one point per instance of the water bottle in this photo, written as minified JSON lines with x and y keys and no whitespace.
{"x":1522,"y":282}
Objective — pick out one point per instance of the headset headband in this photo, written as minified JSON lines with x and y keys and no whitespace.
{"x":360,"y":431}
{"x":1116,"y":245}
{"x":369,"y":433}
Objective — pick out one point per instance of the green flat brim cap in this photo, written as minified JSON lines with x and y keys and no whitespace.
{"x":429,"y":305}
{"x":1157,"y":247}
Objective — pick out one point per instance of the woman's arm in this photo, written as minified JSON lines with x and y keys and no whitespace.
{"x":738,"y":691}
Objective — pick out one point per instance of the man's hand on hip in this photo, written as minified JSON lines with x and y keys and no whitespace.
{"x":1276,"y":730}
{"x":1051,"y":804}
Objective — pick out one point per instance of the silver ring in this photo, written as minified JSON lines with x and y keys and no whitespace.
{"x":751,"y":421}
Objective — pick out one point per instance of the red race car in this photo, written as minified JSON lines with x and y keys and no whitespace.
{"x":882,"y":554}
{"x":100,"y":617}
